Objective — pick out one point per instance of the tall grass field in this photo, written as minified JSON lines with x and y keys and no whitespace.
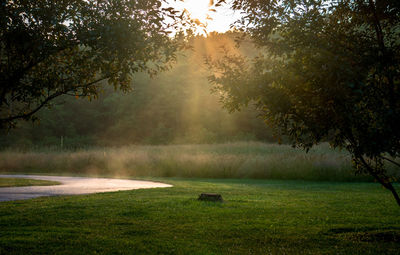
{"x":252,"y":160}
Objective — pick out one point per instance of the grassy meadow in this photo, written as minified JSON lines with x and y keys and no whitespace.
{"x":277,"y":200}
{"x":252,"y":160}
{"x":257,"y":217}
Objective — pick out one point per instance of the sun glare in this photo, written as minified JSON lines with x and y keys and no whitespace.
{"x":198,"y":10}
{"x":207,"y":17}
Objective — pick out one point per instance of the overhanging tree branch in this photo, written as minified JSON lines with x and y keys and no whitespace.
{"x":387,"y":184}
{"x":391,"y":161}
{"x":29,"y":114}
{"x":51,"y":97}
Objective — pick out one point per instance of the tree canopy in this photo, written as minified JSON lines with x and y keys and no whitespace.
{"x":330,"y":72}
{"x":50,"y":48}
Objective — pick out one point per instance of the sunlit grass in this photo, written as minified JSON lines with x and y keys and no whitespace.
{"x":258,"y":217}
{"x":230,"y":160}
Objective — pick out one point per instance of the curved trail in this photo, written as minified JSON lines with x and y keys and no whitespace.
{"x":72,"y":186}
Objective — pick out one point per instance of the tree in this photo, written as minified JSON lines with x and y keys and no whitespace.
{"x":50,"y":48}
{"x":330,"y":72}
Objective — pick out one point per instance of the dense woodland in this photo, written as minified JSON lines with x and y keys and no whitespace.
{"x":176,"y":106}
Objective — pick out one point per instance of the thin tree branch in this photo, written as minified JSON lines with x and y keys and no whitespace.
{"x":51,"y":97}
{"x":27,"y":115}
{"x":391,"y":161}
{"x":378,"y":28}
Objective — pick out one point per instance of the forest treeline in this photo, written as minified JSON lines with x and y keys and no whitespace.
{"x":176,"y":107}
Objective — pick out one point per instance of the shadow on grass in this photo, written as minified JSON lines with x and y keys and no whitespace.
{"x":366,"y":234}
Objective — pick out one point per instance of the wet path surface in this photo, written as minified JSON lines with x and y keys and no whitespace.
{"x":72,"y":186}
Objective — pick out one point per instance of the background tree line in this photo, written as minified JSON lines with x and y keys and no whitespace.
{"x":174,"y":107}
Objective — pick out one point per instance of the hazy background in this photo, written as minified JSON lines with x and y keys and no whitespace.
{"x":175,"y":107}
{"x":168,"y":126}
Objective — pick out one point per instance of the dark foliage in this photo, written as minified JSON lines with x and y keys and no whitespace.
{"x":331,"y":71}
{"x":50,"y":48}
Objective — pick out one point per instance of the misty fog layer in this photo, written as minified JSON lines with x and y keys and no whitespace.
{"x":174,"y":107}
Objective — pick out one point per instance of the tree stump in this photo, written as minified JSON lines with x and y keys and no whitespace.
{"x":210,"y":197}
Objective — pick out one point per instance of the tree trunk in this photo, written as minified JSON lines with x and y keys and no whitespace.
{"x":387,"y":185}
{"x":394,"y":192}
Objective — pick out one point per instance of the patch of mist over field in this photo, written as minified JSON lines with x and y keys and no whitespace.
{"x":230,"y":160}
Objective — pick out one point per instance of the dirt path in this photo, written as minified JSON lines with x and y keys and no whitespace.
{"x":72,"y":186}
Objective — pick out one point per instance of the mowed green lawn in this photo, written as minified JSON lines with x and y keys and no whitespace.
{"x":16,"y":182}
{"x":258,"y":217}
